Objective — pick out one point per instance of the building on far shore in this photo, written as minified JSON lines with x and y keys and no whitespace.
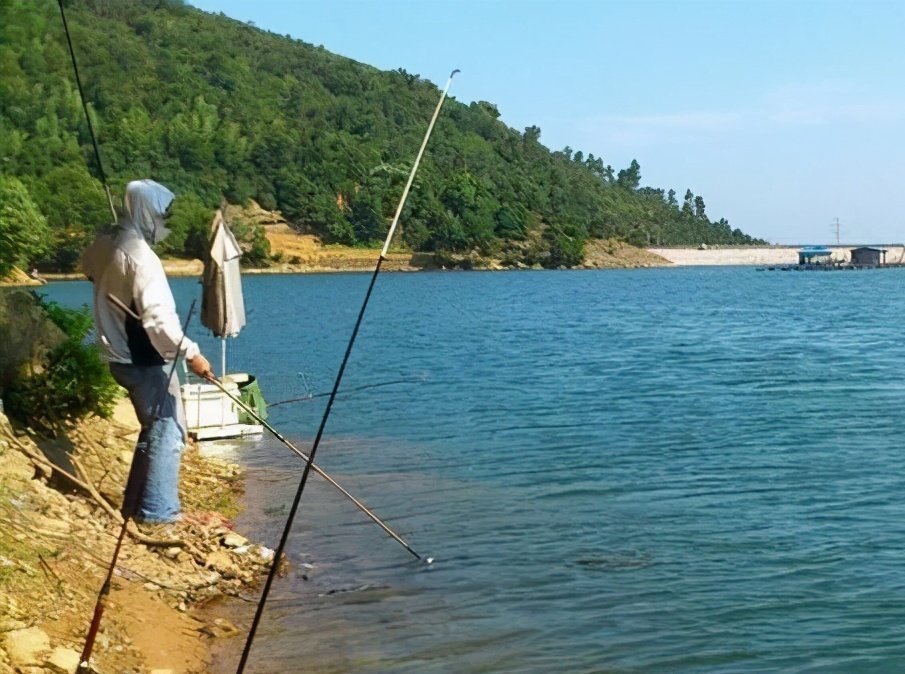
{"x":815,"y":255}
{"x":867,"y":256}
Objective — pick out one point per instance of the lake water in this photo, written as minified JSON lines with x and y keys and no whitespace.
{"x":666,"y":470}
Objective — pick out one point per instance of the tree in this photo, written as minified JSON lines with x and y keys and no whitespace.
{"x":24,"y":234}
{"x":76,"y":207}
{"x":688,"y":204}
{"x":294,"y":127}
{"x":190,"y":227}
{"x":699,"y":208}
{"x":630,"y":178}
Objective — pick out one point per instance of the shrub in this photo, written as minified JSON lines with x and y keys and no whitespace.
{"x":71,"y":381}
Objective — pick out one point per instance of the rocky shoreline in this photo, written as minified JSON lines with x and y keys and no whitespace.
{"x":59,"y":524}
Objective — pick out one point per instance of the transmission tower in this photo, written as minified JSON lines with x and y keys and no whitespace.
{"x":835,"y":226}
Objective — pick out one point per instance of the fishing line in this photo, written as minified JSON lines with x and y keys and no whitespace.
{"x":78,"y":82}
{"x":128,"y":512}
{"x":312,"y":396}
{"x":278,"y":553}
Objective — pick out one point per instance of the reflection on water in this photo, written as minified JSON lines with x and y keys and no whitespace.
{"x":675,"y":470}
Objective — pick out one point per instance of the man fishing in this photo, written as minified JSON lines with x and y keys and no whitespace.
{"x":126,"y":272}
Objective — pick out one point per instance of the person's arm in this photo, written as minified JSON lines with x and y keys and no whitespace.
{"x":154,"y":303}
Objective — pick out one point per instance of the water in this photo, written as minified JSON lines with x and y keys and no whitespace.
{"x":672,"y":470}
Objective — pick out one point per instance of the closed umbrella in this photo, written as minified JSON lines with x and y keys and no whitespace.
{"x":222,"y":306}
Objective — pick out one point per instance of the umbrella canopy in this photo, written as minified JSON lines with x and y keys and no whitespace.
{"x":222,"y":306}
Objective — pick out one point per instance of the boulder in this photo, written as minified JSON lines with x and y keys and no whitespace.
{"x":25,"y":647}
{"x":62,"y":660}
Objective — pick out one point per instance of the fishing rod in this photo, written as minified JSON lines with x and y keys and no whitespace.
{"x":128,"y":511}
{"x":339,"y":375}
{"x":238,"y":401}
{"x":78,"y":81}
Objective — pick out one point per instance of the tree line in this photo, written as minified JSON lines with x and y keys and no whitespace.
{"x":218,"y":109}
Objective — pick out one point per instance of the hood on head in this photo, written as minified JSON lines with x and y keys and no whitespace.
{"x":146,"y":202}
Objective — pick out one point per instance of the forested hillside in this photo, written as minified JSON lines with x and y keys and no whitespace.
{"x":216,"y":109}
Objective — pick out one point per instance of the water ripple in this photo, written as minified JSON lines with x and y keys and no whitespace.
{"x":679,"y":470}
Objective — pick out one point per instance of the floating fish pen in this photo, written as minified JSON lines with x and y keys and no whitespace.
{"x":820,"y":258}
{"x":843,"y":266}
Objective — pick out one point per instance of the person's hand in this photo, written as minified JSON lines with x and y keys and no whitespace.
{"x":201,"y":367}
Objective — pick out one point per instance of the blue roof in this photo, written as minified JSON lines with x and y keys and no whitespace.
{"x":815,"y":249}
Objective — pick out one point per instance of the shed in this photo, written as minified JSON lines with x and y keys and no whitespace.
{"x":815,"y":255}
{"x":866,"y":256}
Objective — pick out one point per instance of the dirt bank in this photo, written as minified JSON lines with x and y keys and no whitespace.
{"x":615,"y":254}
{"x":58,"y":526}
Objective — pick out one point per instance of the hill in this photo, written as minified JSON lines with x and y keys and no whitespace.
{"x":217,"y":109}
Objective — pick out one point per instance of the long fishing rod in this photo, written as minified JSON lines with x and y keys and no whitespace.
{"x":128,"y":512}
{"x":339,"y":375}
{"x":238,"y":401}
{"x":78,"y":82}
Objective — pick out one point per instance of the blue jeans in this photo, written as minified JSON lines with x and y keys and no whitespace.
{"x":152,"y":490}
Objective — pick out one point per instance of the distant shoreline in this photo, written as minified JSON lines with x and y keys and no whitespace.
{"x":710,"y":256}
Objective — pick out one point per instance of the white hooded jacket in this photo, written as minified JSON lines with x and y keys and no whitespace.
{"x":125,"y":266}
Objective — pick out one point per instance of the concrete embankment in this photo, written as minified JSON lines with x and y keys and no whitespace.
{"x":767,"y":255}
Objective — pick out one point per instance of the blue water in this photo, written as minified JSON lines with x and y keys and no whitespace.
{"x":671,"y":470}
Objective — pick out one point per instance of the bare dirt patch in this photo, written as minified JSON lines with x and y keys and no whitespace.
{"x":58,"y":526}
{"x":305,"y":252}
{"x":615,"y":254}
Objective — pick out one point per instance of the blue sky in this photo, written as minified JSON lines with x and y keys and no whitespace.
{"x":782,"y":115}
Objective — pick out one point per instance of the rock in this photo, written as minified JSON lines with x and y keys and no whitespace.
{"x":233,"y":540}
{"x":221,"y":628}
{"x":8,"y":624}
{"x":221,"y":562}
{"x":16,"y":465}
{"x":172,"y":553}
{"x":56,"y":523}
{"x":25,"y":647}
{"x":62,"y":660}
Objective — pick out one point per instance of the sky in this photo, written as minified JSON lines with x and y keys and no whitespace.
{"x":783,"y":116}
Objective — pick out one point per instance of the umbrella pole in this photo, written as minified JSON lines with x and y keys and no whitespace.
{"x":223,"y":401}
